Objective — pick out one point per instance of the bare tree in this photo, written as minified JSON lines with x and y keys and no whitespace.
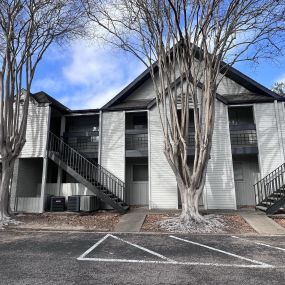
{"x":188,"y":46}
{"x":27,"y":29}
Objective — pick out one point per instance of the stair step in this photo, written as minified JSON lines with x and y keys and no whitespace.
{"x":277,"y":194}
{"x":261,"y":208}
{"x":73,"y":168}
{"x":116,"y":199}
{"x":272,"y":198}
{"x":267,"y":203}
{"x":126,"y":208}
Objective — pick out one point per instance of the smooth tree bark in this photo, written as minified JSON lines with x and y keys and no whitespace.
{"x":27,"y":30}
{"x":188,"y":46}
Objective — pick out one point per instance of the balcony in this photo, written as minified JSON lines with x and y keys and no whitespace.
{"x":136,"y":143}
{"x":86,"y":142}
{"x":243,"y":139}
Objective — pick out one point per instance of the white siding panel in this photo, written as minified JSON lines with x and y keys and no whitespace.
{"x":163,"y":186}
{"x":281,"y":120}
{"x":145,"y":91}
{"x":228,"y":86}
{"x":220,"y":187}
{"x":269,"y":141}
{"x":37,"y":130}
{"x":29,"y":204}
{"x":113,"y":143}
{"x":67,"y":189}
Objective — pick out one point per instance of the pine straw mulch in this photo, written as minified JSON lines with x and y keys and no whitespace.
{"x":232,"y":224}
{"x":98,"y":221}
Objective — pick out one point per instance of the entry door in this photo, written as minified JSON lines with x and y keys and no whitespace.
{"x":139,"y":187}
{"x":245,"y":174}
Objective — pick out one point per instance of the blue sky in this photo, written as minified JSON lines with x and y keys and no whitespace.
{"x":85,"y":75}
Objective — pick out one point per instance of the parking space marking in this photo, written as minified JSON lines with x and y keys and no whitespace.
{"x":127,"y":242}
{"x":221,"y":251}
{"x":260,"y":243}
{"x":166,"y":260}
{"x":93,"y":247}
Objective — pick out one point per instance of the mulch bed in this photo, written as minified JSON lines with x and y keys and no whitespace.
{"x":234,"y":224}
{"x":99,"y":221}
{"x":279,"y":220}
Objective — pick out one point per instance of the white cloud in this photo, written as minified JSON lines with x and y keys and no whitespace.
{"x":89,"y":76}
{"x":47,"y":83}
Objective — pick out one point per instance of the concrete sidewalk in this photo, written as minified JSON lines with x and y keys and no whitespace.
{"x":132,"y":221}
{"x":261,"y":223}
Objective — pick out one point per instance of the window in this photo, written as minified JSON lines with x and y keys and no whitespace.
{"x":140,"y":120}
{"x":140,"y":173}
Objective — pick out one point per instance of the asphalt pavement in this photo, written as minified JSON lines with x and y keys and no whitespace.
{"x":102,"y":258}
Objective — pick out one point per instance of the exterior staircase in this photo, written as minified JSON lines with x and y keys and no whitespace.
{"x":270,"y":191}
{"x":106,"y":186}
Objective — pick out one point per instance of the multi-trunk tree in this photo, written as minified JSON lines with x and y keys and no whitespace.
{"x":27,"y":29}
{"x":188,"y":46}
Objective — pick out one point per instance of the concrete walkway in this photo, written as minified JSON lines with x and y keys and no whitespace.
{"x":132,"y":221}
{"x":261,"y":223}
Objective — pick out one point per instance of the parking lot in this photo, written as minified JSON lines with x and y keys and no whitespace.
{"x":93,"y":258}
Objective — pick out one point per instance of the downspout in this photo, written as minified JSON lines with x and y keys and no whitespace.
{"x":149,"y":160}
{"x":100,"y":136}
{"x":45,"y":165}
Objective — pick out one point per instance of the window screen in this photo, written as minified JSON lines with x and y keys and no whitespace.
{"x":140,"y":120}
{"x":140,"y":173}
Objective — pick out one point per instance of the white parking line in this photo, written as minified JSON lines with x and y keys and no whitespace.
{"x":144,"y":249}
{"x":221,"y":251}
{"x":260,"y":243}
{"x":176,"y":263}
{"x":127,"y":242}
{"x":165,"y":259}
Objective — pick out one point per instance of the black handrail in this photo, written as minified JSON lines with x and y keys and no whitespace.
{"x":94,"y":173}
{"x":273,"y":183}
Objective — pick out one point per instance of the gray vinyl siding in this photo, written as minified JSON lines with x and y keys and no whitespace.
{"x":163,"y":186}
{"x":220,"y":187}
{"x":37,"y":131}
{"x":268,"y":137}
{"x":228,"y":86}
{"x":113,"y":143}
{"x":145,"y":91}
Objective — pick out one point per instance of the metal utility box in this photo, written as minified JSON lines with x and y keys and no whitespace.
{"x":89,"y":203}
{"x":48,"y":202}
{"x":73,"y":203}
{"x":57,"y":204}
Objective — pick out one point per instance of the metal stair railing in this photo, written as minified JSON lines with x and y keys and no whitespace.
{"x":95,"y":174}
{"x":270,"y":184}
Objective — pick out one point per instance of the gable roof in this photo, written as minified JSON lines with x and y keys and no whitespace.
{"x":245,"y":98}
{"x":43,"y":98}
{"x":262,"y":93}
